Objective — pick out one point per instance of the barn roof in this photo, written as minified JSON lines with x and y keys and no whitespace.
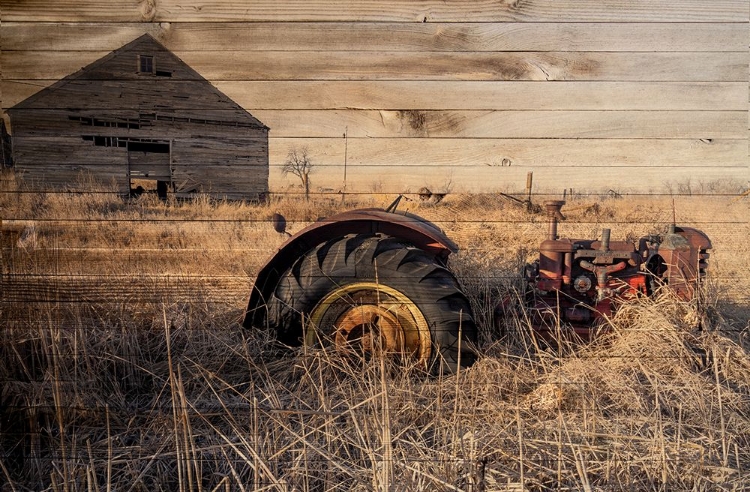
{"x":116,"y":82}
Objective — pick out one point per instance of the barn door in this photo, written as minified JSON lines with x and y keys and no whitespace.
{"x":149,"y":168}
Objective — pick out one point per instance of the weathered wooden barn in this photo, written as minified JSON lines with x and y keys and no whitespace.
{"x":144,"y":119}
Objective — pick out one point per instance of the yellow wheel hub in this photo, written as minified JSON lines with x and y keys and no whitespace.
{"x":373,"y":319}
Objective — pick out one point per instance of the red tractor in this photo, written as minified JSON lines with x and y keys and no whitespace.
{"x":377,"y":281}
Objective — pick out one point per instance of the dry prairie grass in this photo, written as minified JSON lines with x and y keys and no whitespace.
{"x":124,"y":366}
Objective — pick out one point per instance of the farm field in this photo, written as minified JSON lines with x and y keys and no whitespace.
{"x":124,"y":365}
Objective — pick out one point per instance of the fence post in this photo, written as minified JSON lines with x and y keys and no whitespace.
{"x":529,"y":182}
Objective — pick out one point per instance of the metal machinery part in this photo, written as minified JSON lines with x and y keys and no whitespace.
{"x":580,"y":282}
{"x":370,"y":318}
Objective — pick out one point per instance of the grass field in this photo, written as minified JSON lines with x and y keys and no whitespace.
{"x":124,"y":366}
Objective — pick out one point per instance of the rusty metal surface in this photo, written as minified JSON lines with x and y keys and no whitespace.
{"x":579,"y":282}
{"x":370,"y":319}
{"x":685,"y":255}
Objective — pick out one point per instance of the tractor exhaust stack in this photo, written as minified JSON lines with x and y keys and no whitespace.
{"x":553,"y":212}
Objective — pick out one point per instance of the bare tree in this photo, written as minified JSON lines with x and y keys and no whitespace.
{"x":298,"y":163}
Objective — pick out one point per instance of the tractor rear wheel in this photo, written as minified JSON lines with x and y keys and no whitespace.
{"x":376,"y":295}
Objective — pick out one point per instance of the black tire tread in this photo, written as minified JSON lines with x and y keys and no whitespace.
{"x":430,"y":285}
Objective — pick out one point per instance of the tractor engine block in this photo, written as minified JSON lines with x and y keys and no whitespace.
{"x":580,"y":282}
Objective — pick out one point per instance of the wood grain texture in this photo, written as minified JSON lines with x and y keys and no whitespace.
{"x":445,"y":153}
{"x":464,"y":124}
{"x":506,"y":124}
{"x":46,"y":287}
{"x":455,"y":153}
{"x":369,"y":65}
{"x":521,"y":95}
{"x":428,"y":95}
{"x":376,"y":11}
{"x":472,"y":165}
{"x":649,"y":180}
{"x":558,"y":36}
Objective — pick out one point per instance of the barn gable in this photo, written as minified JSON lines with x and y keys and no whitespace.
{"x":142,"y":117}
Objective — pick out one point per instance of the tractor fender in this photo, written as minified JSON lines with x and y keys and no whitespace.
{"x":403,"y":225}
{"x":696,"y":238}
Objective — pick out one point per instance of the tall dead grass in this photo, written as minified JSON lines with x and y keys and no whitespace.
{"x":144,"y":384}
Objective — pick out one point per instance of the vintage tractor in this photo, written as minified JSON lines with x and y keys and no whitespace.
{"x":376,"y":281}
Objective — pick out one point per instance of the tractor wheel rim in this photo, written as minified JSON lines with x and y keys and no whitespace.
{"x":371,"y":319}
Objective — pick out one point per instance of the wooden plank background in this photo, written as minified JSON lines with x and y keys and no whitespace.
{"x":624,"y":95}
{"x":586,"y":94}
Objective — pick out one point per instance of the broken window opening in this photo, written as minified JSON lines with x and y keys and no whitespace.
{"x":149,"y":117}
{"x":102,"y":141}
{"x":133,"y":143}
{"x":124,"y":123}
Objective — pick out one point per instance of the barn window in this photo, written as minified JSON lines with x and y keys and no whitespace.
{"x":126,"y":123}
{"x":101,"y":141}
{"x":145,"y":64}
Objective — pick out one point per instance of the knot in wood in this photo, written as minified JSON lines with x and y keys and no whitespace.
{"x":148,"y":10}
